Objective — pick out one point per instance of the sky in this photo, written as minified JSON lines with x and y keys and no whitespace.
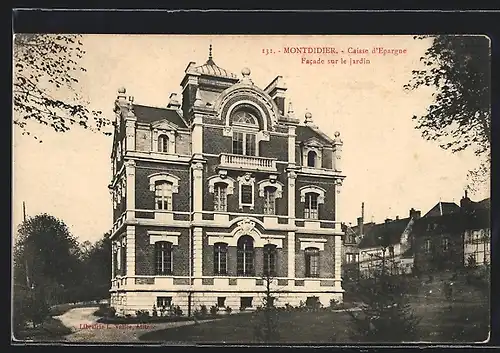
{"x":388,"y":165}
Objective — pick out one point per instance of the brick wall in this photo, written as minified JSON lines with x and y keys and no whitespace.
{"x":327,"y":158}
{"x":144,"y":197}
{"x":215,"y":142}
{"x":326,"y":210}
{"x":143,"y":139}
{"x":145,"y":252}
{"x":183,"y":144}
{"x":276,"y":147}
{"x":326,"y":257}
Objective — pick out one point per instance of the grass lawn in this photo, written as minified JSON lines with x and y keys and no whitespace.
{"x":296,"y":327}
{"x":50,"y":330}
{"x":464,"y":322}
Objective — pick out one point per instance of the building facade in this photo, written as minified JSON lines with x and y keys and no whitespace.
{"x":219,"y":193}
{"x":451,"y":237}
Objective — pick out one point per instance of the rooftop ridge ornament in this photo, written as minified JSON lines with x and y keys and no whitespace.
{"x":210,"y":57}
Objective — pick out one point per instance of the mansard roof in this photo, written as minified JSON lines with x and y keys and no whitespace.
{"x":147,"y":114}
{"x":305,"y":133}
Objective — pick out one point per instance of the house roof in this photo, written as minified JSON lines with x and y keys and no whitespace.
{"x":147,"y":114}
{"x":374,"y":233}
{"x":443,"y":208}
{"x":304,"y":133}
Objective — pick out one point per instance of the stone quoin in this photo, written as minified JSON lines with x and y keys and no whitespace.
{"x":218,"y":191}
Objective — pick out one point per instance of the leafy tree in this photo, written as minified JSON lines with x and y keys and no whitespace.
{"x":458,"y":67}
{"x":46,"y":74}
{"x":386,"y":314}
{"x":96,"y":269}
{"x":46,"y":253}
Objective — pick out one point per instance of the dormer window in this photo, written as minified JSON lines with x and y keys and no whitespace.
{"x":163,"y":143}
{"x":311,"y":159}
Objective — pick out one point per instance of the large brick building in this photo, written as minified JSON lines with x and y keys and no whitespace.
{"x":215,"y":194}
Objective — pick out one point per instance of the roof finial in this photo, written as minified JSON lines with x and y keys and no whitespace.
{"x":210,"y":52}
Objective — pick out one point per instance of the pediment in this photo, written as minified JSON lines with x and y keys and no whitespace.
{"x":313,"y":142}
{"x":164,"y":125}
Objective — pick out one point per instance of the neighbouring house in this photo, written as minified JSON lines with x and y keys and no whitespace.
{"x":217,"y":191}
{"x":390,"y":240}
{"x":448,"y":235}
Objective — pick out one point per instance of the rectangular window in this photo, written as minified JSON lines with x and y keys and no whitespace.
{"x":246,"y":302}
{"x":270,"y":201}
{"x":163,"y":196}
{"x":311,"y":206}
{"x":220,"y":197}
{"x":312,"y":262}
{"x":220,"y":259}
{"x":163,"y":302}
{"x":221,"y":302}
{"x":247,"y":194}
{"x":250,"y":149}
{"x":237,"y":143}
{"x":427,"y":246}
{"x":163,"y":258}
{"x":349,"y":258}
{"x":446,"y":244}
{"x":269,"y":260}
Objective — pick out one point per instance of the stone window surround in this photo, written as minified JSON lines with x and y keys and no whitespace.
{"x":318,"y":149}
{"x":170,"y":134}
{"x":272,"y":183}
{"x":246,"y":179}
{"x":314,"y":189}
{"x":156,"y":177}
{"x":245,"y":227}
{"x":157,"y":236}
{"x":221,"y":179}
{"x":318,"y":243}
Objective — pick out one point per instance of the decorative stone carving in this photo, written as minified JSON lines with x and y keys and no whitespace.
{"x":273,"y":183}
{"x":246,"y":226}
{"x":228,"y":131}
{"x":154,"y":178}
{"x":197,"y":166}
{"x":314,"y":189}
{"x":338,"y":185}
{"x":218,"y":179}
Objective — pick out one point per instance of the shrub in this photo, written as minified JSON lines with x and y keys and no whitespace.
{"x":142,"y":315}
{"x":228,"y":310}
{"x":105,"y":311}
{"x":154,"y":311}
{"x":334,"y":304}
{"x":163,"y":310}
{"x":203,"y":311}
{"x":177,"y":311}
{"x":213,"y":310}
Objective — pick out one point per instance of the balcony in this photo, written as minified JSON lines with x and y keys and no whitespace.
{"x":237,"y":161}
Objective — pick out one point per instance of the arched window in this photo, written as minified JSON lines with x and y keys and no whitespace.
{"x":220,"y":258}
{"x":311,"y":159}
{"x":270,"y":200}
{"x":245,"y":141}
{"x":245,"y":256}
{"x":163,"y":143}
{"x":311,"y":206}
{"x":163,"y":196}
{"x":270,"y":260}
{"x":220,"y":197}
{"x":244,"y":118}
{"x":163,"y":258}
{"x":312,"y":262}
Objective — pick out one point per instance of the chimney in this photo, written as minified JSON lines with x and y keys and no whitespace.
{"x":276,"y":89}
{"x":361,"y":224}
{"x":465,"y":202}
{"x":414,"y":213}
{"x":397,"y":218}
{"x":388,"y":220}
{"x":173,"y":102}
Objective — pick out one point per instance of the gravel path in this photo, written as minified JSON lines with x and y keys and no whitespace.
{"x":86,"y":329}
